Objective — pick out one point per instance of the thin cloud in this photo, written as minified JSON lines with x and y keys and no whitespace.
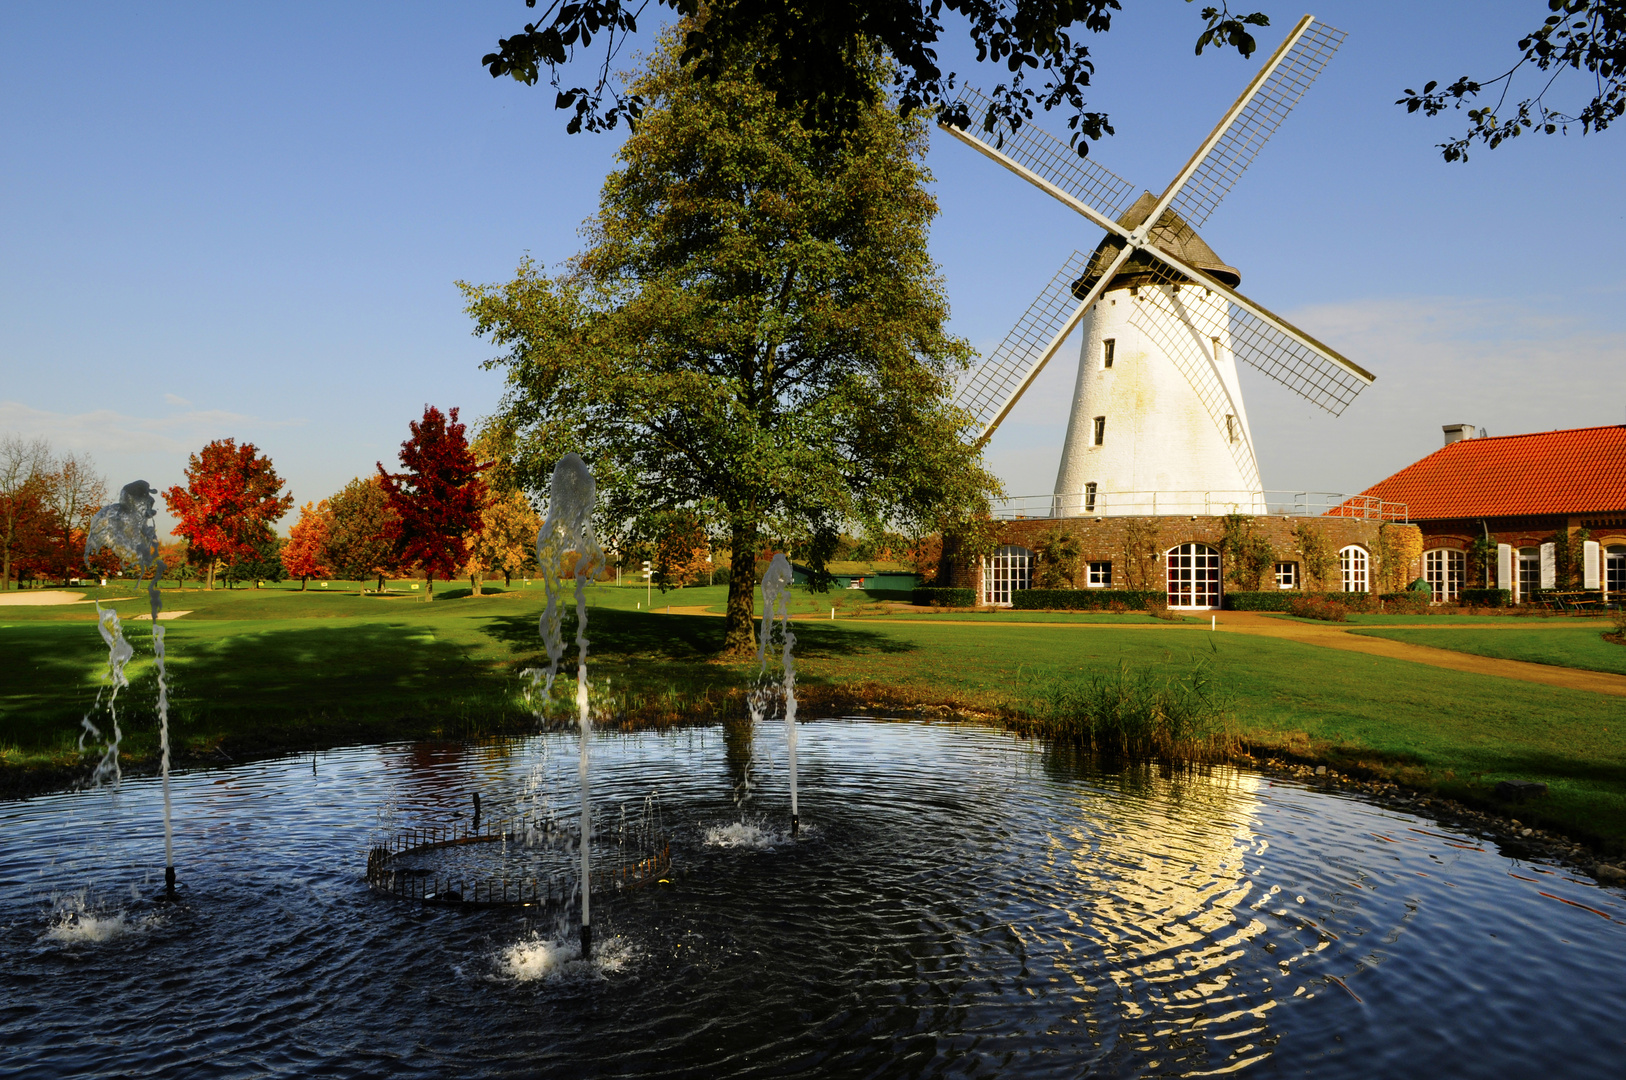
{"x":105,"y":431}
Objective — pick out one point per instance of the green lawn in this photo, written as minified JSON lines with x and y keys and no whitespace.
{"x":256,"y":672}
{"x":1576,"y":645}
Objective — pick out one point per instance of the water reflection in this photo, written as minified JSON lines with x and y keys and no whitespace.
{"x":963,"y":905}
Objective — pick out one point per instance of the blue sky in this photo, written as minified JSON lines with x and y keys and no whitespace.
{"x":247,"y":220}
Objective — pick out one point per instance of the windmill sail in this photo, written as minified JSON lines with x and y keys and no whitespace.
{"x":995,"y":384}
{"x":1247,"y":134}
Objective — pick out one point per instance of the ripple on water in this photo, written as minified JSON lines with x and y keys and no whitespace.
{"x":974,"y":905}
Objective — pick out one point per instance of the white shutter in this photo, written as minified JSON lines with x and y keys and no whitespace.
{"x":1590,"y":577}
{"x":1505,"y":577}
{"x":1549,"y":566}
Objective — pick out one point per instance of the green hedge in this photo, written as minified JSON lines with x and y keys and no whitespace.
{"x":1486,"y":597}
{"x":1280,"y":599}
{"x":1082,"y":599}
{"x":932,"y":597}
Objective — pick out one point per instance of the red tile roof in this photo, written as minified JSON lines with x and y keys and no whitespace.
{"x":1578,"y":471}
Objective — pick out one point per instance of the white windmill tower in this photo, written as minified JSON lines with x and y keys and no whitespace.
{"x":1158,"y":425}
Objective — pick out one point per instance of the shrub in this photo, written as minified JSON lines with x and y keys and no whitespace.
{"x":1318,"y":607}
{"x":1486,"y":597}
{"x":1132,"y":715}
{"x":1410,"y":602}
{"x":1082,"y":599}
{"x":1268,"y":600}
{"x":935,"y":597}
{"x":1421,"y":585}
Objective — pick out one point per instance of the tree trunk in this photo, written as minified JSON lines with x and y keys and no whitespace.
{"x":739,"y":633}
{"x":474,"y":585}
{"x":211,"y":575}
{"x":304,"y":582}
{"x":429,"y":590}
{"x":380,"y":584}
{"x":507,"y":578}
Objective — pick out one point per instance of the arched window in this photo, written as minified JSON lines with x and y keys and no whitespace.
{"x":1194,"y":576}
{"x":1443,"y":568}
{"x":1007,"y":570}
{"x":1352,"y":565}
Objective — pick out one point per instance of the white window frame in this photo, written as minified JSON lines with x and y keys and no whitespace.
{"x":1098,"y":575}
{"x":1445,"y":569}
{"x":1109,"y":346}
{"x":1355,"y":568}
{"x":1287,"y":575}
{"x":1006,"y":572}
{"x":1614,"y":570}
{"x":1089,"y":497}
{"x":1192,"y":572}
{"x":1098,"y":431}
{"x":1527,"y":570}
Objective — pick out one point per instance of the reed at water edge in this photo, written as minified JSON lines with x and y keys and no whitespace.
{"x":1134,"y":715}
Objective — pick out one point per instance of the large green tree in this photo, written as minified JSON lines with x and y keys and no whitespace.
{"x":755,"y":333}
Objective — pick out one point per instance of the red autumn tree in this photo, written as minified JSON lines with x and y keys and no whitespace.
{"x":231,"y":498}
{"x":307,"y":541}
{"x":438,"y":499}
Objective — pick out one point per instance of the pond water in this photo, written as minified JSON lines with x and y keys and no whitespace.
{"x":960,"y":903}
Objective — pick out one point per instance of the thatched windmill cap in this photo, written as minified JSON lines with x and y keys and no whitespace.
{"x":1172,"y":235}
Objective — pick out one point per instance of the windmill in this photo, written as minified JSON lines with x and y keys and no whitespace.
{"x":1158,"y":425}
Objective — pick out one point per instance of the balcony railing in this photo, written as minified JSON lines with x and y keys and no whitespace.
{"x":1206,"y":503}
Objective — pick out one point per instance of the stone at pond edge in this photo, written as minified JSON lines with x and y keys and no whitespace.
{"x":1519,"y":790}
{"x":1608,"y":875}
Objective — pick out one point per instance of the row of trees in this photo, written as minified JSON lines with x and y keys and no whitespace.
{"x":46,"y":502}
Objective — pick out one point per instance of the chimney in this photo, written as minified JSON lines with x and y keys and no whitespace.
{"x":1458,"y":432}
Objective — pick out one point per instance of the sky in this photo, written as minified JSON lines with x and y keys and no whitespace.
{"x":248,"y":221}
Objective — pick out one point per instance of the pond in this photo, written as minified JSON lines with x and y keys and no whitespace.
{"x":959,"y":903}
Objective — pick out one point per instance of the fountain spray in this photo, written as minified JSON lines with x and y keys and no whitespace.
{"x":569,"y":528}
{"x":126,"y":529}
{"x":776,"y":583}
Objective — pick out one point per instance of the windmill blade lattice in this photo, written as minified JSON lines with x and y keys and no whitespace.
{"x":1250,"y":131}
{"x":1049,"y":158}
{"x":988,"y":390}
{"x":1308,"y":372}
{"x":1273,"y":345}
{"x":1188,"y":337}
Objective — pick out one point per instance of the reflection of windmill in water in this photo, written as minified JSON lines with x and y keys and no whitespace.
{"x":1158,"y":425}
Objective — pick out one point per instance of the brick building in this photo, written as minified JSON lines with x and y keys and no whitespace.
{"x":1182,"y":554}
{"x":1545,"y":510}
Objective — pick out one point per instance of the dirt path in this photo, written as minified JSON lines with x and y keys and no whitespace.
{"x":1327,"y":636}
{"x":1332,"y":636}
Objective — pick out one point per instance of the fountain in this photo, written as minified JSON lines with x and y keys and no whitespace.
{"x":569,"y":529}
{"x":776,"y":583}
{"x":125,"y":528}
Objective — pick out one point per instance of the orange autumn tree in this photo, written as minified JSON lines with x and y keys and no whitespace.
{"x":232,"y":496}
{"x":302,"y":555}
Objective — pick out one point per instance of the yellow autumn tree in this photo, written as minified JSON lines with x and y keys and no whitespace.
{"x":507,"y":539}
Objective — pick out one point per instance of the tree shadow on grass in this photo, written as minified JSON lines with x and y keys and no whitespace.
{"x":696,"y":638}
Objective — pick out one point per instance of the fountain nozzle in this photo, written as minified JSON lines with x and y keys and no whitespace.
{"x":587,"y":942}
{"x":169,"y":881}
{"x":795,"y":824}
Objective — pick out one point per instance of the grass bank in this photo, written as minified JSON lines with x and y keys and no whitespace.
{"x":1575,"y":646}
{"x":289,"y":671}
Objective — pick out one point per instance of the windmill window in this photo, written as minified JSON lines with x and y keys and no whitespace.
{"x":1287,"y":575}
{"x":1100,"y":430}
{"x":1444,"y":569}
{"x":1352,"y":567}
{"x":1100,"y":575}
{"x":1108,"y":347}
{"x":1008,"y":570}
{"x":1193,"y":576}
{"x":1089,"y":497}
